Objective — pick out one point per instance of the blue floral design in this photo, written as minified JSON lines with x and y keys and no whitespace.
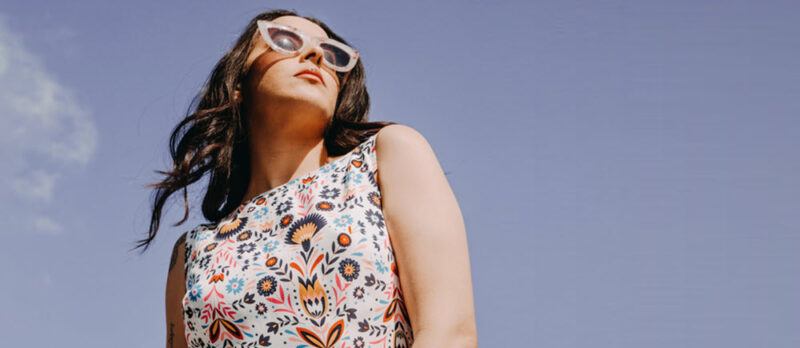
{"x":343,"y":220}
{"x":354,"y":177}
{"x":235,"y":285}
{"x":381,"y":267}
{"x":326,"y":168}
{"x":196,"y":292}
{"x":261,"y":213}
{"x":270,"y":246}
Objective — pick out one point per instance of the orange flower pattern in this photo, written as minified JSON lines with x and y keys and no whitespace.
{"x":305,"y":264}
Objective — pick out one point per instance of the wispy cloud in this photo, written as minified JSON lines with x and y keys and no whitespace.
{"x":46,"y":225}
{"x":44,"y":129}
{"x":36,"y":186}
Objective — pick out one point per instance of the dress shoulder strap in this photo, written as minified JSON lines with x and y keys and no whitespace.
{"x":369,"y":158}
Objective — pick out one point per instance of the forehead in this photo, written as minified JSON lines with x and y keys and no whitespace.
{"x":308,"y":27}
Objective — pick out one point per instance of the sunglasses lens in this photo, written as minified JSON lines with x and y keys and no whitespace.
{"x":285,"y":39}
{"x":335,"y":55}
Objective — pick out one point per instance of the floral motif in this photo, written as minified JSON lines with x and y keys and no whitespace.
{"x":235,"y":285}
{"x":308,"y":263}
{"x":271,"y":245}
{"x":375,"y":218}
{"x":358,"y":292}
{"x":266,"y":286}
{"x":195,"y":291}
{"x":304,"y":229}
{"x":261,"y":213}
{"x":329,"y":193}
{"x":246,"y":248}
{"x":375,"y":198}
{"x":381,"y":267}
{"x":261,"y":308}
{"x":343,"y":220}
{"x":354,"y":178}
{"x":324,"y":205}
{"x":231,"y":228}
{"x":284,"y":207}
{"x":349,"y":269}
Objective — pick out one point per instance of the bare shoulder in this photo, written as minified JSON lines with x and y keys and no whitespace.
{"x":397,"y":145}
{"x":178,"y":251}
{"x":399,"y":133}
{"x":176,"y":275}
{"x":409,"y":170}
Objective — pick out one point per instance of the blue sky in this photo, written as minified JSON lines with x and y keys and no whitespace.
{"x":627,"y":170}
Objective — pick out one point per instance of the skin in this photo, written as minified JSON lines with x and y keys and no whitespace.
{"x":175,"y":289}
{"x":288,"y":117}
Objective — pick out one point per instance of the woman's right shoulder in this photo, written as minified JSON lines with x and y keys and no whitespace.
{"x":178,"y":250}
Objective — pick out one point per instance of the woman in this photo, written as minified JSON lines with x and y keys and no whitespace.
{"x":297,"y":251}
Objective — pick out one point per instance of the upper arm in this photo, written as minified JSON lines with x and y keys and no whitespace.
{"x":175,"y":290}
{"x":428,"y":236}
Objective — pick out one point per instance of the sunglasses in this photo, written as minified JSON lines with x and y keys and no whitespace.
{"x":291,"y":41}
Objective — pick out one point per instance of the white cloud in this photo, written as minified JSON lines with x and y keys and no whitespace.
{"x":37,"y":186}
{"x":46,"y":225}
{"x":44,"y":129}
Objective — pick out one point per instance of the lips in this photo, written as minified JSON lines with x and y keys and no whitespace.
{"x":310,"y":72}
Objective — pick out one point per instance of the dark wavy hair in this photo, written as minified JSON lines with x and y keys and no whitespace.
{"x":212,"y":137}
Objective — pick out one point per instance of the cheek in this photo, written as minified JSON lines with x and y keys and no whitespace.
{"x":334,"y":78}
{"x":333,"y":89}
{"x":333,"y":83}
{"x":271,"y":71}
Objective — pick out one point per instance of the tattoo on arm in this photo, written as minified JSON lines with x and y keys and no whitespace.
{"x":171,"y":336}
{"x":174,"y":258}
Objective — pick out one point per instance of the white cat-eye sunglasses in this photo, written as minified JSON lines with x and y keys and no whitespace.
{"x":291,"y":41}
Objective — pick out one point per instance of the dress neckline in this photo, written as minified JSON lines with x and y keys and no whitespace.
{"x":266,"y":193}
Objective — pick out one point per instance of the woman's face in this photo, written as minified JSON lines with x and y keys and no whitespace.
{"x":272,"y":77}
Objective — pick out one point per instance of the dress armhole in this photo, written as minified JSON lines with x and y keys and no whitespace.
{"x":371,"y":160}
{"x":188,"y":250}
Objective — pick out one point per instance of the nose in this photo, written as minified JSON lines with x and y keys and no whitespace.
{"x":314,"y":53}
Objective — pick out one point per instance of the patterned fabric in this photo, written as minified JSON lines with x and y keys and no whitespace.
{"x":305,"y":264}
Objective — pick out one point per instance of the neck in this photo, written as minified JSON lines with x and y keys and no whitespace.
{"x":284,"y":149}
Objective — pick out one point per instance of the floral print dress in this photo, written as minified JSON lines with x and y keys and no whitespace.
{"x":305,"y":264}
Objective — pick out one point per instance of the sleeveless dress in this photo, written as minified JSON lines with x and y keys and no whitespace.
{"x":305,"y":264}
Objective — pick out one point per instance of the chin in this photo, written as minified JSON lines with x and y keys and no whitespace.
{"x":313,"y":94}
{"x":305,"y":101}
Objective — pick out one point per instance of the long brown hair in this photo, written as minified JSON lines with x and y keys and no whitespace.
{"x":212,"y":138}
